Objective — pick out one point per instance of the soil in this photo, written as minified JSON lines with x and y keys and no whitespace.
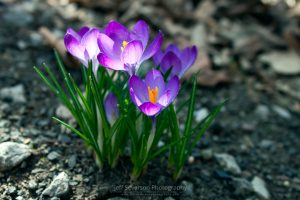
{"x":259,"y":126}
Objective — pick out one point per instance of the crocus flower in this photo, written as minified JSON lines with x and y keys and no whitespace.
{"x":83,"y":45}
{"x":111,"y":108}
{"x":152,"y":95}
{"x":180,"y":61}
{"x":122,"y":49}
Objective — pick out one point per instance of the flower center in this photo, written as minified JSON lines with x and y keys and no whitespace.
{"x":124,"y":44}
{"x":153,"y":94}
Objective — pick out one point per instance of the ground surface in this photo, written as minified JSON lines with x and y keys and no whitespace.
{"x":259,"y":125}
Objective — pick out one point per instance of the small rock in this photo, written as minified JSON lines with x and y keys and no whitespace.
{"x":12,"y":154}
{"x":262,"y":111}
{"x":64,"y":138}
{"x":59,"y":187}
{"x":188,"y":190}
{"x":12,"y":189}
{"x":285,"y":63}
{"x":63,"y":112}
{"x":53,"y":156}
{"x":169,"y":198}
{"x":282,"y":112}
{"x":220,"y":174}
{"x":19,"y":198}
{"x":228,"y":162}
{"x":72,"y":161}
{"x":117,"y":198}
{"x":266,"y":144}
{"x":206,"y":154}
{"x":242,"y":186}
{"x":200,"y":114}
{"x":32,"y":185}
{"x":259,"y":188}
{"x":191,"y":160}
{"x":15,"y":93}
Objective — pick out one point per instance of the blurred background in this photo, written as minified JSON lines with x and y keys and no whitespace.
{"x":248,"y":52}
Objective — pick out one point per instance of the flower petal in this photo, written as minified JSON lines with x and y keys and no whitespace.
{"x":165,"y":99}
{"x":138,"y":90}
{"x":188,"y":58}
{"x":73,"y":33}
{"x":83,"y":30}
{"x":89,"y":40}
{"x":132,"y":53}
{"x":171,"y":60}
{"x":173,"y":48}
{"x":153,"y":47}
{"x":150,"y":109}
{"x":111,"y":107}
{"x":75,"y":48}
{"x":109,"y":62}
{"x":106,"y":44}
{"x":155,"y":79}
{"x":158,"y":57}
{"x":173,"y":86}
{"x":116,"y":31}
{"x":140,"y":32}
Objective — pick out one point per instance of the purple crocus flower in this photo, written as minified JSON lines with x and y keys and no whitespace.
{"x":111,"y":108}
{"x":180,"y":61}
{"x":122,"y":49}
{"x":153,"y":95}
{"x":83,"y":45}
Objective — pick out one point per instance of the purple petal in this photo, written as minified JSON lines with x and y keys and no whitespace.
{"x":155,"y":79}
{"x":170,"y":60}
{"x":165,"y":99}
{"x":111,"y":107}
{"x":106,"y":44}
{"x":109,"y":62}
{"x":132,"y":53}
{"x":173,"y":48}
{"x":115,"y":30}
{"x":75,"y":48}
{"x":140,"y":32}
{"x":73,"y":33}
{"x":89,"y":40}
{"x":150,"y":109}
{"x":138,"y":90}
{"x":188,"y":58}
{"x":173,"y":86}
{"x":153,"y":47}
{"x":83,"y":30}
{"x":158,"y":57}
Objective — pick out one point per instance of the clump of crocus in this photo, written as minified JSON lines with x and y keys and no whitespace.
{"x":115,"y":109}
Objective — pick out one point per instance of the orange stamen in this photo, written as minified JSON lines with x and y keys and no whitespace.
{"x":153,"y":94}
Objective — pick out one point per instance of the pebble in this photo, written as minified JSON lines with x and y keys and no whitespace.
{"x":228,"y":162}
{"x":12,"y":189}
{"x":206,"y":154}
{"x":63,"y":112}
{"x":14,"y":93}
{"x":188,"y":190}
{"x":12,"y":154}
{"x":53,"y":156}
{"x":64,"y":138}
{"x":242,"y":186}
{"x":72,"y":161}
{"x":282,"y":112}
{"x":32,"y":185}
{"x":262,"y":111}
{"x":200,"y":114}
{"x":259,"y":188}
{"x":59,"y":187}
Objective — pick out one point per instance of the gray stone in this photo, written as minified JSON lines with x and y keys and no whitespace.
{"x":282,"y":112}
{"x":117,"y":198}
{"x":64,"y":138}
{"x":206,"y":154}
{"x":12,"y":154}
{"x":228,"y":162}
{"x":259,"y":188}
{"x":188,"y":190}
{"x":53,"y":156}
{"x":59,"y":187}
{"x":72,"y":161}
{"x":286,"y":63}
{"x":19,"y":198}
{"x":15,"y":93}
{"x":200,"y":114}
{"x":32,"y":185}
{"x":266,"y":144}
{"x":242,"y":186}
{"x":12,"y":189}
{"x":262,"y":111}
{"x":63,"y":112}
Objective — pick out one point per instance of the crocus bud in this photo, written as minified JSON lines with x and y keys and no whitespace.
{"x":111,"y":108}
